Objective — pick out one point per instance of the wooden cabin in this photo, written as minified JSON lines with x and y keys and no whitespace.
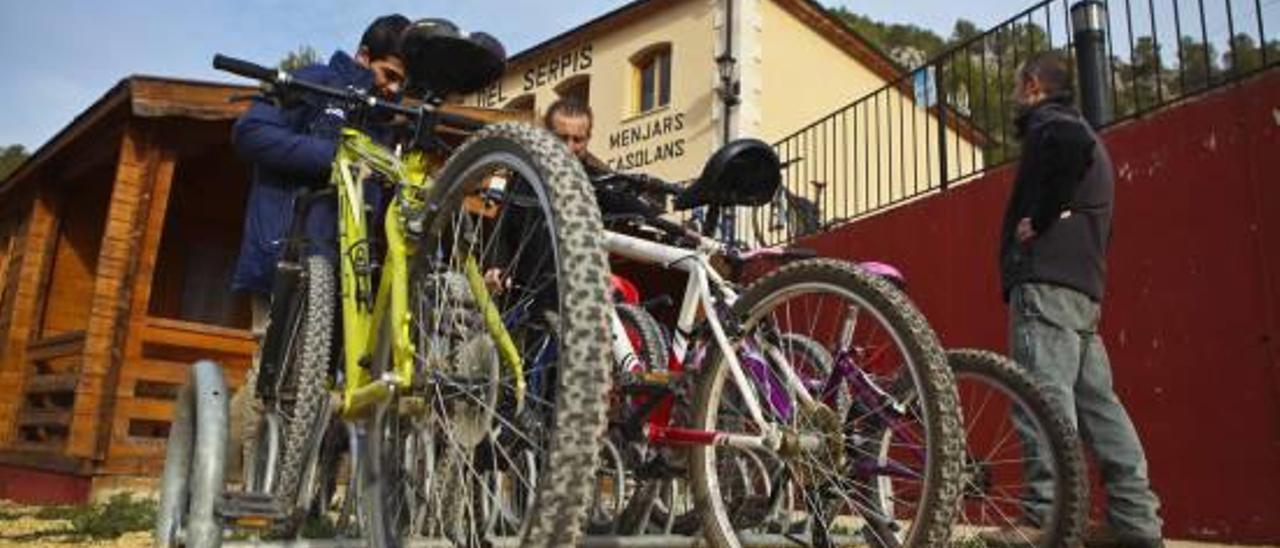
{"x":117,"y":242}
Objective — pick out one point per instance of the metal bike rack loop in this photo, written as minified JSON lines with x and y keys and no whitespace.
{"x":194,"y":462}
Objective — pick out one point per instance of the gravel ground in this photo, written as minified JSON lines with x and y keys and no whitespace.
{"x":20,"y":527}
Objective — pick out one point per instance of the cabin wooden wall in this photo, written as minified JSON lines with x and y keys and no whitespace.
{"x":50,"y":279}
{"x":82,"y":212}
{"x":111,"y":285}
{"x":141,"y":198}
{"x":183,"y":309}
{"x":15,"y":225}
{"x":201,"y":239}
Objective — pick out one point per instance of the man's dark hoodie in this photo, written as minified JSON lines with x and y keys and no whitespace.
{"x":1066,"y":186}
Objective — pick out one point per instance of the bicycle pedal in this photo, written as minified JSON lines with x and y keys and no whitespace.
{"x":251,"y":510}
{"x":413,"y":406}
{"x":651,"y":379}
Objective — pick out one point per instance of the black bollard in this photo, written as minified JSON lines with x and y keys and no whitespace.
{"x":1089,"y":23}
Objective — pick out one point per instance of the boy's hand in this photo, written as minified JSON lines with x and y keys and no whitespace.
{"x":1024,"y":233}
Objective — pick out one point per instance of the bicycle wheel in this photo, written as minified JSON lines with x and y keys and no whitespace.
{"x":612,"y":495}
{"x":1015,"y":435}
{"x":645,"y":335}
{"x":280,"y":446}
{"x":479,"y":462}
{"x":835,"y":490}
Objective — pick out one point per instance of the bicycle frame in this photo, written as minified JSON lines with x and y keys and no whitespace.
{"x":362,"y":310}
{"x":697,"y":296}
{"x":376,"y":325}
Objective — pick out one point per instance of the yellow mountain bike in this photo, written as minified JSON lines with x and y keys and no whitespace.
{"x":473,"y":354}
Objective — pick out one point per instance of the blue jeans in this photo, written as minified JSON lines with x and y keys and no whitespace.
{"x":1054,"y":335}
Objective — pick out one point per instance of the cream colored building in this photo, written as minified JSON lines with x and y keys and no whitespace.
{"x":649,"y":72}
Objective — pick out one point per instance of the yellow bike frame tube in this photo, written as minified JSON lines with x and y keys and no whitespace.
{"x":363,"y":322}
{"x":361,"y":326}
{"x":363,"y":398}
{"x":493,"y":321}
{"x":351,"y":232}
{"x":395,"y":278}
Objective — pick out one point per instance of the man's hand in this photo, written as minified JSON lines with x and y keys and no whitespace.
{"x":1024,"y":232}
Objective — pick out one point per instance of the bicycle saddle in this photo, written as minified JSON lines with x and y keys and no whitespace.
{"x":440,"y":60}
{"x":745,"y":172}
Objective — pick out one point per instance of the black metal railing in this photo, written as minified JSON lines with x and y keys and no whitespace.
{"x":952,"y":118}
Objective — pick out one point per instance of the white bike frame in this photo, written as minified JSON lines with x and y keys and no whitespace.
{"x":697,"y":295}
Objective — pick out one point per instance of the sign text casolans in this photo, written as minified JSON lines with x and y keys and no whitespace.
{"x":651,"y":140}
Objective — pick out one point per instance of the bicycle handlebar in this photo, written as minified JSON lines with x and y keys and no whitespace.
{"x":646,"y":183}
{"x":247,"y":69}
{"x":278,"y":77}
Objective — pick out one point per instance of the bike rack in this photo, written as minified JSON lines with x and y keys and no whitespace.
{"x":641,"y":541}
{"x":194,"y":462}
{"x":194,"y":465}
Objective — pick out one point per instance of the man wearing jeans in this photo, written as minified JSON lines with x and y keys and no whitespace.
{"x":1054,"y":238}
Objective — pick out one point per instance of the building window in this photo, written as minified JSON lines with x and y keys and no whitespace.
{"x":651,"y":78}
{"x":522,"y":103}
{"x":577,"y":87}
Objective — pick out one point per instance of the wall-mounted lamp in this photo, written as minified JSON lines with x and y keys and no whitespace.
{"x":727,"y":66}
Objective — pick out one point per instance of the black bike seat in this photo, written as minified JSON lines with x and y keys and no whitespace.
{"x":745,"y":172}
{"x":441,"y":60}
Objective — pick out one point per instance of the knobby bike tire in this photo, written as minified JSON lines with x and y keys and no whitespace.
{"x":1066,"y":518}
{"x":653,"y":349}
{"x":932,"y":522}
{"x":563,"y":490}
{"x":305,"y":375}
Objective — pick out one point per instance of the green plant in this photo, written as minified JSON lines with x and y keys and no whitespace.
{"x":121,"y":514}
{"x":58,"y":512}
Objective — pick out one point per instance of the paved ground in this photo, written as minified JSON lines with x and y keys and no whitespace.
{"x":19,"y":526}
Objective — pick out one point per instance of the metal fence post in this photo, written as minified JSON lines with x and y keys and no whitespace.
{"x":943,"y":178}
{"x":1089,"y":24}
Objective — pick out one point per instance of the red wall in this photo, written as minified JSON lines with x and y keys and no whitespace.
{"x":33,"y":486}
{"x":1193,"y":298}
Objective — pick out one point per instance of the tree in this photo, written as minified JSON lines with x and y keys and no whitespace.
{"x":908,"y":45}
{"x":1199,"y":65}
{"x":963,"y":31}
{"x":301,"y":57}
{"x":1141,"y":82}
{"x":979,"y":69}
{"x":11,"y":157}
{"x":1245,"y":56}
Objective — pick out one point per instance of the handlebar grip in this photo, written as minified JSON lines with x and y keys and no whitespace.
{"x":244,"y":68}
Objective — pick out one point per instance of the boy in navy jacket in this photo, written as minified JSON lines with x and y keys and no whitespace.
{"x":291,"y":146}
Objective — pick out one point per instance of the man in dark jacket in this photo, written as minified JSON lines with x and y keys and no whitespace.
{"x":1054,"y":238}
{"x":291,"y":146}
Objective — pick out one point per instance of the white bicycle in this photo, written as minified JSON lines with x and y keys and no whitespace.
{"x":816,"y":404}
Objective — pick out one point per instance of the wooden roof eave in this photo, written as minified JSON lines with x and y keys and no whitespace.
{"x":111,"y":102}
{"x":138,"y":96}
{"x":155,"y":97}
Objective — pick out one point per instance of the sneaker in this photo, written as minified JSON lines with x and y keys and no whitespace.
{"x":1103,"y":536}
{"x":1018,"y":536}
